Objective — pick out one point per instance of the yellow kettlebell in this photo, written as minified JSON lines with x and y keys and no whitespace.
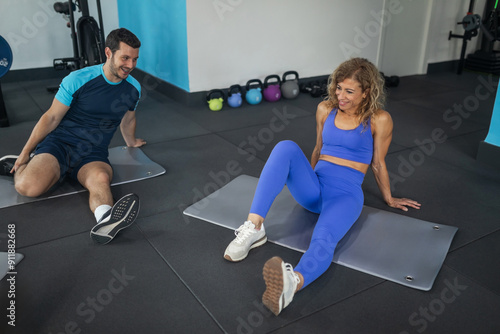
{"x":215,"y":99}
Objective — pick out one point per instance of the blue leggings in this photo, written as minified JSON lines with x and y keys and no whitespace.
{"x":331,"y":190}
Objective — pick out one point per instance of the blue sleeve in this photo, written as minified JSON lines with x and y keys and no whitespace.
{"x":73,"y":81}
{"x":66,"y":90}
{"x":137,"y":86}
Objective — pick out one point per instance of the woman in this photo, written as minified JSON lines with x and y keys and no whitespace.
{"x":353,"y":133}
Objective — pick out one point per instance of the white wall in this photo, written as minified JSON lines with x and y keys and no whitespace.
{"x":445,"y":15}
{"x":405,"y":35}
{"x":418,"y":35}
{"x":233,"y":41}
{"x":37,"y":34}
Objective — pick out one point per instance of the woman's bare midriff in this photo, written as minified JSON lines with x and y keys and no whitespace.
{"x":359,"y":166}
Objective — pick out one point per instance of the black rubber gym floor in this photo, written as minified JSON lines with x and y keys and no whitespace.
{"x":166,"y":274}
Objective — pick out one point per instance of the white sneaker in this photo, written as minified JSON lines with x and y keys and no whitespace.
{"x":247,"y":237}
{"x":281,"y":283}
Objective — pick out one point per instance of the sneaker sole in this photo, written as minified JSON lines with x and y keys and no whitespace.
{"x":258,"y":243}
{"x":5,"y":157}
{"x":273,"y":277}
{"x":123,"y":214}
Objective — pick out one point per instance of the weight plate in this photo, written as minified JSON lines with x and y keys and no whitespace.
{"x":5,"y":57}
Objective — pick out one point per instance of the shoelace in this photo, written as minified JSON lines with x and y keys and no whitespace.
{"x":289,"y":269}
{"x":244,"y":231}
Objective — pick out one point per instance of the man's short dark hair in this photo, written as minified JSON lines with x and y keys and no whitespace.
{"x":122,"y":35}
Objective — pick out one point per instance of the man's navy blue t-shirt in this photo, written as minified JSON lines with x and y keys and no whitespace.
{"x":97,"y":106}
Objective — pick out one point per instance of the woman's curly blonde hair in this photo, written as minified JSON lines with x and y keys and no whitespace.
{"x":371,"y":81}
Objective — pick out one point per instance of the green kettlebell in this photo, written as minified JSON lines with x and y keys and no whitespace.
{"x":215,"y":99}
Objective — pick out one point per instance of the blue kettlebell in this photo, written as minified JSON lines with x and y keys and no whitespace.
{"x":272,"y":91}
{"x":290,"y":88}
{"x":234,"y":98}
{"x":215,"y":103}
{"x":254,"y":95}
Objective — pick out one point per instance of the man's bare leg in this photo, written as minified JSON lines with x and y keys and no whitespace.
{"x":96,"y":177}
{"x":37,"y":176}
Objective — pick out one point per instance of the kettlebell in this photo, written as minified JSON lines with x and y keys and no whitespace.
{"x":272,"y":91}
{"x":215,"y":103}
{"x":290,"y":88}
{"x":234,"y":98}
{"x":254,"y":95}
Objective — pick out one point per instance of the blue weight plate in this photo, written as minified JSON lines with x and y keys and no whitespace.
{"x":5,"y":57}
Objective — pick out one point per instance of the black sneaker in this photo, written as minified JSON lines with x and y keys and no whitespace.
{"x":6,"y":164}
{"x":120,"y":216}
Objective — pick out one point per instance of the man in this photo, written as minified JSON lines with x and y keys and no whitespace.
{"x":72,"y":137}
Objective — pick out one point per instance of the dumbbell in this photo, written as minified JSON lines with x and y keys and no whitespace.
{"x":314,"y":88}
{"x":392,"y":81}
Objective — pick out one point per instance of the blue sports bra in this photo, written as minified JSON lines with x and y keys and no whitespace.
{"x":355,"y":145}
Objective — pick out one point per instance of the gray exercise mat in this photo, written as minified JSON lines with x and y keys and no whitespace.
{"x":4,"y":263}
{"x":130,"y":164}
{"x":391,"y":246}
